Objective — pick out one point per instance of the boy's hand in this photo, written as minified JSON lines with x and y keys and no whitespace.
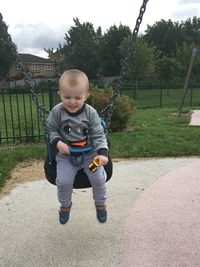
{"x":62,"y":147}
{"x":102,"y":160}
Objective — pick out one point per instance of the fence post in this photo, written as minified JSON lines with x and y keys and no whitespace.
{"x":161,"y":97}
{"x":134,"y":92}
{"x":50,"y":95}
{"x":191,"y":97}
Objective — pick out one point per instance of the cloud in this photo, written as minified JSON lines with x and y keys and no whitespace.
{"x":184,"y":13}
{"x":33,"y":38}
{"x":189,"y":1}
{"x":187,"y":8}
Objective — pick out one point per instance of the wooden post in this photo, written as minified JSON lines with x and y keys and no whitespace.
{"x":182,"y":98}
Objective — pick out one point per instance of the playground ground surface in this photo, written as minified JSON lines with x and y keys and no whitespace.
{"x":153,"y":218}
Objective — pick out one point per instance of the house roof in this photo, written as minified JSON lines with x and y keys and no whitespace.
{"x":28,"y":58}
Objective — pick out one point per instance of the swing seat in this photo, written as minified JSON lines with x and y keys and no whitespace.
{"x":81,"y":179}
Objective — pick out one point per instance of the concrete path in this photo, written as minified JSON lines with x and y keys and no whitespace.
{"x":195,"y":118}
{"x":154,"y":220}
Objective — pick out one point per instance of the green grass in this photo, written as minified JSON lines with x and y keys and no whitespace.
{"x":163,"y":98}
{"x":19,"y":117}
{"x":10,"y":156}
{"x":156,"y":133}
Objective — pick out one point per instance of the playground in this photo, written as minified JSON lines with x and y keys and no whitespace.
{"x":153,"y":202}
{"x":153,"y":215}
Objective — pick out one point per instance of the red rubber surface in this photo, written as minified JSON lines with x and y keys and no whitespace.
{"x":163,"y":226}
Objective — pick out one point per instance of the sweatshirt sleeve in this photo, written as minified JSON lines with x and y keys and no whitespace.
{"x":98,"y":136}
{"x":53,"y":127}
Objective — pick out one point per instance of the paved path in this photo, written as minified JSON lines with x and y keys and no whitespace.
{"x":153,"y":220}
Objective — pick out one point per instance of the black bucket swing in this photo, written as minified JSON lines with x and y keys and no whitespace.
{"x":81,"y":179}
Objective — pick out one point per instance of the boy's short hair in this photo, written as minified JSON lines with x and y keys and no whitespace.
{"x":73,"y":76}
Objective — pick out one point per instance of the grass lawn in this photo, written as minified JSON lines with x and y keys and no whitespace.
{"x":157,"y":133}
{"x":153,"y":133}
{"x":10,"y":156}
{"x":163,"y":97}
{"x":19,"y":118}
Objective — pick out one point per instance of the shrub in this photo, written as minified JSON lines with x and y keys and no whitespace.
{"x":123,"y":107}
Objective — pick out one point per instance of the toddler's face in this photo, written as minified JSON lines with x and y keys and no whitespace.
{"x":73,"y":97}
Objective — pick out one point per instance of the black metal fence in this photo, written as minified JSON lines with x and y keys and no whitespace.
{"x":159,"y":96}
{"x":19,"y":118}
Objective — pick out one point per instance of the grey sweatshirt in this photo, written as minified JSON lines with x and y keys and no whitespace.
{"x":83,"y":125}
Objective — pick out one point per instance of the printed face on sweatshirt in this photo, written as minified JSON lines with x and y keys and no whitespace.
{"x":73,"y":97}
{"x":76,"y":133}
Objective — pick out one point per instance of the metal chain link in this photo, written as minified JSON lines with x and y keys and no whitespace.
{"x":28,"y":80}
{"x":107,"y":112}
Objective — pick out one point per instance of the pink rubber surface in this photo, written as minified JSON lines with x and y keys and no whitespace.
{"x":163,"y":226}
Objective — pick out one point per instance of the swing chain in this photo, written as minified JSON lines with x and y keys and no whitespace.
{"x":28,"y":80}
{"x":107,"y":112}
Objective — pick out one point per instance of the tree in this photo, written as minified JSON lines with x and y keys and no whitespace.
{"x":7,"y":57}
{"x":191,"y":30}
{"x":109,"y":51}
{"x":183,"y":58}
{"x":167,"y":71}
{"x":141,"y":61}
{"x":57,"y":57}
{"x":166,"y":36}
{"x":81,"y":48}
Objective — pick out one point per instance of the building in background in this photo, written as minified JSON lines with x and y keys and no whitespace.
{"x":37,"y":67}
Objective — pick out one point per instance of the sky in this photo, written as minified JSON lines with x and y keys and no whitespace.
{"x":35,"y":25}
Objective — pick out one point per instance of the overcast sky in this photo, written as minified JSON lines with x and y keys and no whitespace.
{"x":39,"y":24}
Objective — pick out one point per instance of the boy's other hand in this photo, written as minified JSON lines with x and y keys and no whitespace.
{"x":62,"y":147}
{"x":103,"y":160}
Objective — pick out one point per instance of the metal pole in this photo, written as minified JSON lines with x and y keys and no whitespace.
{"x":50,"y":91}
{"x":191,"y":97}
{"x":182,"y":99}
{"x":161,"y":91}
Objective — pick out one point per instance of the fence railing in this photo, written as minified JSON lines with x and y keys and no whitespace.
{"x":19,"y":118}
{"x":160,"y":96}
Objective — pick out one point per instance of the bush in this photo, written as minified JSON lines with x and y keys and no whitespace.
{"x":123,"y":107}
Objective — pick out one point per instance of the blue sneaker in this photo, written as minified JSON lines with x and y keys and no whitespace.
{"x":64,"y":214}
{"x":101,"y":213}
